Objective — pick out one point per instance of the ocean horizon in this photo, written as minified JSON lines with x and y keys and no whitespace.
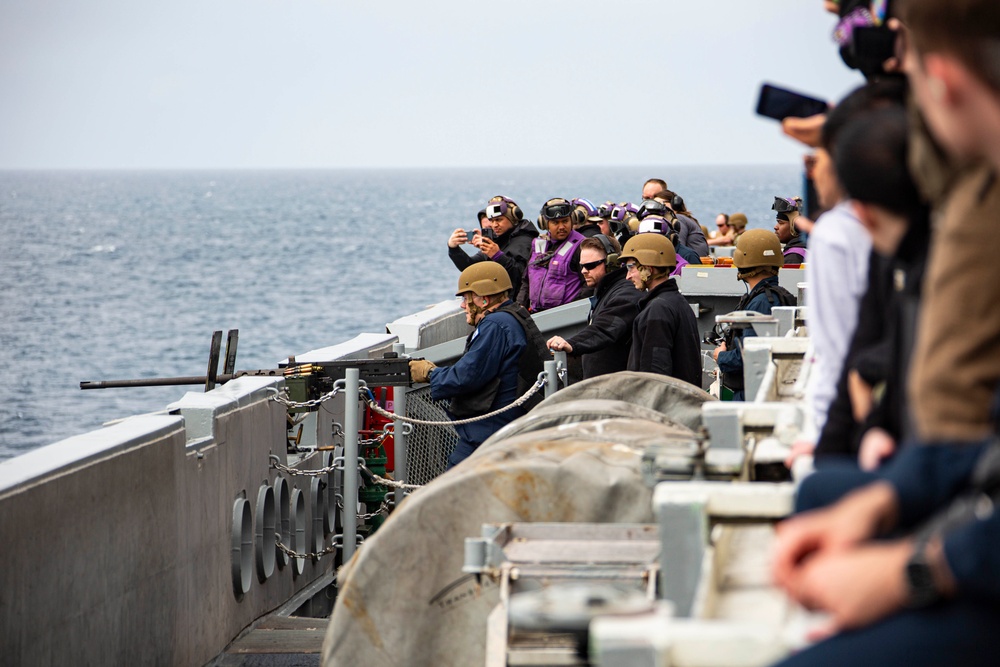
{"x":115,"y":274}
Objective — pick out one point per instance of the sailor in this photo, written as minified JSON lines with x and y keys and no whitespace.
{"x":738,"y":223}
{"x":757,"y":259}
{"x":508,"y":244}
{"x":504,"y":347}
{"x":688,"y":230}
{"x":724,"y":232}
{"x":788,"y":209}
{"x":585,"y":218}
{"x":552,"y":277}
{"x":665,"y":333}
{"x":622,"y":220}
{"x":605,"y":343}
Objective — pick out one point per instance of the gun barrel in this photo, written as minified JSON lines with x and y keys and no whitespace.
{"x":177,"y":381}
{"x":375,"y":372}
{"x":145,"y":382}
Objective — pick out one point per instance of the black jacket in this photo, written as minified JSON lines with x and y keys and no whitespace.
{"x":881,"y":348}
{"x":665,"y":336}
{"x":515,"y":248}
{"x":606,"y":342}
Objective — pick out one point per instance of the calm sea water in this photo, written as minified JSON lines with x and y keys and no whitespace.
{"x":107,"y":275}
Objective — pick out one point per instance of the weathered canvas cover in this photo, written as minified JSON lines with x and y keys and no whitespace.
{"x":404,"y":599}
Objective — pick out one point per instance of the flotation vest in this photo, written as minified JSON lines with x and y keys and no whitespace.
{"x":551,"y":281}
{"x":801,"y":250}
{"x":774,"y":292}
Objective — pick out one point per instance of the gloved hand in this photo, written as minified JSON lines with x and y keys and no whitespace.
{"x":420,"y":370}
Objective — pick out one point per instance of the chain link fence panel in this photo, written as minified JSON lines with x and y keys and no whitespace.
{"x":427,"y":447}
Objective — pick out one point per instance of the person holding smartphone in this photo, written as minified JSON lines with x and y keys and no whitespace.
{"x":505,"y":238}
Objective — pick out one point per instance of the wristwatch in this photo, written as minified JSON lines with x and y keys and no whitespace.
{"x":920,"y":576}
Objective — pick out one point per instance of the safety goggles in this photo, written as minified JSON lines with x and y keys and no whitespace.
{"x":784,"y":205}
{"x":554,"y":209}
{"x":651,"y":207}
{"x":590,"y":266}
{"x":630,"y":266}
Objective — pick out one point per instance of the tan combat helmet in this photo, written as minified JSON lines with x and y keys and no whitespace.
{"x":758,"y":247}
{"x":650,"y":249}
{"x":738,"y":221}
{"x":484,"y":279}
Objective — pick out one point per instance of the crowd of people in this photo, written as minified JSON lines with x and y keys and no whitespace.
{"x":896,"y":536}
{"x":623,"y":258}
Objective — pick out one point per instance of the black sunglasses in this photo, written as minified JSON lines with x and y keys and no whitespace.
{"x":590,"y":266}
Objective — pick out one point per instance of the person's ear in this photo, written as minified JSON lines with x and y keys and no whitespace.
{"x":948,"y":81}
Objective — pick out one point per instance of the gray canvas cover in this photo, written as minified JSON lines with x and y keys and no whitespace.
{"x":403,"y":597}
{"x":678,"y":400}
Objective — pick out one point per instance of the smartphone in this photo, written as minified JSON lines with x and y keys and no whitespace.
{"x":780,"y":103}
{"x":469,"y":233}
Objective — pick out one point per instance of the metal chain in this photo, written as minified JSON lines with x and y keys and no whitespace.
{"x":338,"y":465}
{"x":534,"y":389}
{"x":382,"y":509}
{"x":313,"y":554}
{"x":278,"y":398}
{"x":278,"y":465}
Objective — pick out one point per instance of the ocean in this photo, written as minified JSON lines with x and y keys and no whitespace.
{"x":112,"y":275}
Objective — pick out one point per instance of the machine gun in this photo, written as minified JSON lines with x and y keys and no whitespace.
{"x":304,"y":382}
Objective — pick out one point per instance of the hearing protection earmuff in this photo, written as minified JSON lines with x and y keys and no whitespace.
{"x":506,"y":205}
{"x":611,"y":257}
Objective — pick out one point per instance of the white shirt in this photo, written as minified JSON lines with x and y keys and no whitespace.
{"x":837,"y":277}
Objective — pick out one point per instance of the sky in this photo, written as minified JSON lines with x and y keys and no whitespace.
{"x":265,"y":84}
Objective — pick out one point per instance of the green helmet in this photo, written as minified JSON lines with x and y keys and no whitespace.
{"x":650,"y":249}
{"x":483,"y":279}
{"x":758,"y":247}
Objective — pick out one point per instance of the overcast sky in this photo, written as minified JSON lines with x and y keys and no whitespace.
{"x":397,"y":83}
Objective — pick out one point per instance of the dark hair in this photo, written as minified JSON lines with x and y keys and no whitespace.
{"x":874,"y":95}
{"x":871,"y":161}
{"x":967,"y":29}
{"x":658,"y":181}
{"x":596,"y":244}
